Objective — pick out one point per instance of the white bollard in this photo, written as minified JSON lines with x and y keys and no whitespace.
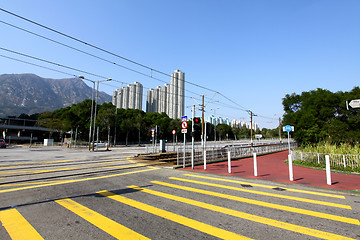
{"x":255,"y":165}
{"x":205,"y":159}
{"x":328,"y":170}
{"x":291,"y":174}
{"x":229,"y":162}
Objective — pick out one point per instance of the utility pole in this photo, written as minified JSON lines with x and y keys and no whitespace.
{"x":251,"y":126}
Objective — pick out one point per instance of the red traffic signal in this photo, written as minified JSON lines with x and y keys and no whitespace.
{"x":197,"y":121}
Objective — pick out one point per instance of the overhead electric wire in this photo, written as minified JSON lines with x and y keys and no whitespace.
{"x":69,"y":74}
{"x":79,"y":50}
{"x":108,"y":52}
{"x":100,"y":49}
{"x":33,"y":64}
{"x":78,"y":70}
{"x":89,"y":54}
{"x":105,"y":83}
{"x":50,"y":62}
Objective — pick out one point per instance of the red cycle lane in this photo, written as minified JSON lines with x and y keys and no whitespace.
{"x":272,"y":167}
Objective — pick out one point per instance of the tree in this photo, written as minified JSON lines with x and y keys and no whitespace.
{"x":224,"y":131}
{"x":321,"y":115}
{"x":127,"y":126}
{"x":138,"y":124}
{"x":106,"y":118}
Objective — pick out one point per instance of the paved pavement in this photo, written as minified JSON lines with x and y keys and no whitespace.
{"x":272,"y":167}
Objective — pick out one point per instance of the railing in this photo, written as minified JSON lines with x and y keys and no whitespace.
{"x":172,"y":147}
{"x":221,"y":154}
{"x":336,"y":160}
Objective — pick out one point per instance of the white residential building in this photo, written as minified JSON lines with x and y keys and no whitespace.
{"x":129,"y":96}
{"x":169,"y":98}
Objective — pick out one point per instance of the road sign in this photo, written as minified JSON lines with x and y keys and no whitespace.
{"x":353,"y":103}
{"x":288,"y":128}
{"x":184,"y":130}
{"x":173,"y":132}
{"x":258,"y":136}
{"x":184,"y":118}
{"x":152,"y":132}
{"x":184,"y":125}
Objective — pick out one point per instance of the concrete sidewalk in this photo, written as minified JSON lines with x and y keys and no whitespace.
{"x":272,"y":167}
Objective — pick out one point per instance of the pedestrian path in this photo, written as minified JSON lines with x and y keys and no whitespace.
{"x":272,"y":167}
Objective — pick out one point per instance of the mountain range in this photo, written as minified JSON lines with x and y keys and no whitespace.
{"x":29,"y":94}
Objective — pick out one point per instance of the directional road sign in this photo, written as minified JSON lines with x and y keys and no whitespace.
{"x":354,"y":103}
{"x":288,"y":128}
{"x":184,"y":118}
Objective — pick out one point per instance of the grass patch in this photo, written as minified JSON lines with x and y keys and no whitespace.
{"x":326,"y":147}
{"x":322,"y":166}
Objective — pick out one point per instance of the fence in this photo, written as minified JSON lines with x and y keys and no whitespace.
{"x":336,"y":160}
{"x":221,"y":154}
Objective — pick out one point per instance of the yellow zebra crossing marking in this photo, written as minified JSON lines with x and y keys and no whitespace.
{"x":264,"y":204}
{"x":107,"y":225}
{"x":250,"y":217}
{"x":17,"y":226}
{"x":330,"y":204}
{"x":66,"y":169}
{"x":76,"y":180}
{"x":19,"y":164}
{"x":214,"y":231}
{"x":267,"y":186}
{"x":38,"y":162}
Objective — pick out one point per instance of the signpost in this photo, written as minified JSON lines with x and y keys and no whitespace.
{"x":153,"y":135}
{"x":289,"y":129}
{"x":184,"y":131}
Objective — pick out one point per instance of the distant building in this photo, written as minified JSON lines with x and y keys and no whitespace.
{"x":234,"y":123}
{"x":129,"y":96}
{"x":169,"y":98}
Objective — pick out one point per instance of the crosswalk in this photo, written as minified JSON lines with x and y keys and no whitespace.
{"x":230,"y":210}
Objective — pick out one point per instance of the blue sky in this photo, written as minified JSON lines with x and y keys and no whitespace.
{"x":253,"y":52}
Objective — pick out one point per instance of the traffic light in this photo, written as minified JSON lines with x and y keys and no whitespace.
{"x":197,"y":122}
{"x":197,"y":127}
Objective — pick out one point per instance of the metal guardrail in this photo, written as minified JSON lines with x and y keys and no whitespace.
{"x":336,"y":160}
{"x":221,"y":154}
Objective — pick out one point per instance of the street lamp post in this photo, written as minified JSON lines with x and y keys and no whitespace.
{"x":96,"y":103}
{"x":92,"y":109}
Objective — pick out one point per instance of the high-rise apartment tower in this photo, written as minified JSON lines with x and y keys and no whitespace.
{"x":129,"y":96}
{"x":169,"y":98}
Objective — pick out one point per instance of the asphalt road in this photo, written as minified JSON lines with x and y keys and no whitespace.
{"x":54,"y":193}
